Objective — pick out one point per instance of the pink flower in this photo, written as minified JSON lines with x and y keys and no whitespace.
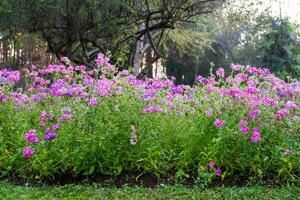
{"x":28,"y":152}
{"x":152,"y":109}
{"x":253,"y":114}
{"x":252,"y":90}
{"x":31,"y":136}
{"x":208,"y":113}
{"x":56,"y":127}
{"x":269,"y":101}
{"x":218,"y":172}
{"x":64,"y":59}
{"x":65,"y":117}
{"x":218,"y":123}
{"x":287,"y":152}
{"x":149,"y":95}
{"x":103,"y":87}
{"x":149,"y":109}
{"x":101,"y":60}
{"x":220,"y":72}
{"x":92,"y":102}
{"x":235,"y":67}
{"x":255,"y":135}
{"x":243,"y":123}
{"x":44,"y":116}
{"x":281,"y":114}
{"x":211,"y":164}
{"x":291,"y":105}
{"x":82,"y":68}
{"x":70,"y":69}
{"x":244,"y":130}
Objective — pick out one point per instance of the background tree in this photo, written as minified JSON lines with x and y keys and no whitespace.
{"x":237,"y":33}
{"x":81,"y":29}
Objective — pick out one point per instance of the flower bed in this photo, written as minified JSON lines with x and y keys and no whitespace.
{"x":79,"y":121}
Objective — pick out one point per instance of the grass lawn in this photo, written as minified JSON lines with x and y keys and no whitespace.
{"x":9,"y":191}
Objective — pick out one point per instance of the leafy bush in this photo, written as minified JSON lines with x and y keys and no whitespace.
{"x":99,"y":122}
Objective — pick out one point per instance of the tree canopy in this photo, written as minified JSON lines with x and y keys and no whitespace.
{"x":81,"y":29}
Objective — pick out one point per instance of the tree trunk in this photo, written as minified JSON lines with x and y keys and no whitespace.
{"x":137,"y":62}
{"x":14,"y":53}
{"x":5,"y":52}
{"x":149,"y":63}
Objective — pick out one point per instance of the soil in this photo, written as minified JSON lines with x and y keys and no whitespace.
{"x":140,"y":179}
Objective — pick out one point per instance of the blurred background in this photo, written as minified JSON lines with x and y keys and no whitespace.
{"x":155,"y":38}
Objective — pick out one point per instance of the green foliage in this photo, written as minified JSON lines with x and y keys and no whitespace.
{"x":97,"y":140}
{"x":279,"y":45}
{"x":82,"y":29}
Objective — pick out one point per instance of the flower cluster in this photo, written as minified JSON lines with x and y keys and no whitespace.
{"x":244,"y":103}
{"x":218,"y":171}
{"x":219,"y":123}
{"x":9,"y":77}
{"x":255,"y":137}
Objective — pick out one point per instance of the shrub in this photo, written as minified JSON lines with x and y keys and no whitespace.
{"x":98,"y":122}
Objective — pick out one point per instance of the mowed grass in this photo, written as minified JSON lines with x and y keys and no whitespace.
{"x":9,"y":191}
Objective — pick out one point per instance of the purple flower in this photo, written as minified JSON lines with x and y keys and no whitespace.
{"x":218,"y":123}
{"x":40,"y":96}
{"x":287,"y":152}
{"x":31,"y":136}
{"x":177,"y":89}
{"x":291,"y":105}
{"x":218,"y":172}
{"x":244,"y":130}
{"x":208,"y":113}
{"x":50,"y":136}
{"x":201,"y":79}
{"x":152,"y":109}
{"x":269,"y":101}
{"x":64,"y":59}
{"x":103,"y":87}
{"x":101,"y":60}
{"x":235,"y":67}
{"x":65,"y":117}
{"x":243,"y":123}
{"x":253,"y":114}
{"x":28,"y":152}
{"x":56,"y":127}
{"x":92,"y":102}
{"x":252,"y":90}
{"x":281,"y":113}
{"x":44,"y":116}
{"x":149,"y":95}
{"x":211,"y":164}
{"x":255,"y":135}
{"x":220,"y":72}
